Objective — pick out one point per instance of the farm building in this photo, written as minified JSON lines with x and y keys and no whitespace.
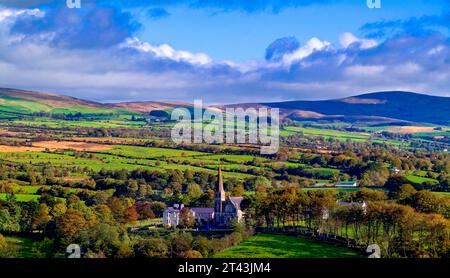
{"x":363,"y":205}
{"x":347,"y":184}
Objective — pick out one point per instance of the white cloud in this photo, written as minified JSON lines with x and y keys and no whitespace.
{"x":12,"y":13}
{"x":347,"y":39}
{"x":165,"y":51}
{"x":436,"y":50}
{"x":313,"y":45}
{"x":364,"y":70}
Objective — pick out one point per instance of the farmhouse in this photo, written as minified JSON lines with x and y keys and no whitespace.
{"x":363,"y":205}
{"x":171,"y":215}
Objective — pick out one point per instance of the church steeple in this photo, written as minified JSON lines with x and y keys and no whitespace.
{"x":219,"y":187}
{"x":219,"y":195}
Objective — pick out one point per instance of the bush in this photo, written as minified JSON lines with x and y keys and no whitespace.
{"x":7,"y":250}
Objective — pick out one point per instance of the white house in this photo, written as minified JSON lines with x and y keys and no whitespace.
{"x":363,"y":205}
{"x":171,"y":215}
{"x":326,"y":212}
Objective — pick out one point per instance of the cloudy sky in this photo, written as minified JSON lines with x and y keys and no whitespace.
{"x":224,"y":51}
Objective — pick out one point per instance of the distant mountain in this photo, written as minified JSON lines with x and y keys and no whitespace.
{"x":21,"y":102}
{"x":148,"y":106}
{"x":395,"y":105}
{"x":374,"y":107}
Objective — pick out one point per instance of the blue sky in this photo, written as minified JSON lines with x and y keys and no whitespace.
{"x":242,"y":35}
{"x":218,"y":51}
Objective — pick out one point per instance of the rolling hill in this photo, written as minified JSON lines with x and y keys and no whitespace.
{"x":382,"y":106}
{"x":15,"y":102}
{"x":20,"y":102}
{"x":398,"y":105}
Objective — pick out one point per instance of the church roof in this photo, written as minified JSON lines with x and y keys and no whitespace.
{"x":203,"y":210}
{"x":236,"y":201}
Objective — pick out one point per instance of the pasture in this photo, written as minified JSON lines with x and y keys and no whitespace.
{"x":418,"y":179}
{"x":282,"y":246}
{"x":329,"y":133}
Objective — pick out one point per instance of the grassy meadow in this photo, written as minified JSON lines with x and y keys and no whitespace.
{"x":282,"y":246}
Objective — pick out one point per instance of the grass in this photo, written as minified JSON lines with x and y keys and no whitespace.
{"x":125,"y":157}
{"x":329,"y":133}
{"x":343,"y":189}
{"x":81,"y":123}
{"x":24,"y":245}
{"x":417,"y":179}
{"x":29,"y":189}
{"x":149,"y":152}
{"x":282,"y":246}
{"x":21,"y":197}
{"x":443,"y":194}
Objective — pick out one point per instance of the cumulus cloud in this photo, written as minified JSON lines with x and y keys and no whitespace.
{"x":414,"y":26}
{"x":165,"y":51}
{"x":280,"y":47}
{"x":11,"y":13}
{"x":311,"y":46}
{"x":78,"y":28}
{"x":348,"y":39}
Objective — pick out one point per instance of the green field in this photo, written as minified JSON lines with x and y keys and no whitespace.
{"x":327,"y":133}
{"x":417,"y":179}
{"x":443,"y":194}
{"x":281,"y":246}
{"x":21,"y":197}
{"x":23,"y":245}
{"x":341,"y":189}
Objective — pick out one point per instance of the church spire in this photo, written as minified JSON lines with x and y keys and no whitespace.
{"x":219,"y":197}
{"x":219,"y":180}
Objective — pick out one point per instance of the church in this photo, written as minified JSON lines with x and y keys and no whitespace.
{"x":227,"y":210}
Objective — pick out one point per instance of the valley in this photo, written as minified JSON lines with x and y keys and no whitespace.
{"x":62,"y":156}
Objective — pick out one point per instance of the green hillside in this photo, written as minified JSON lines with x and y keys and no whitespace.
{"x":14,"y":103}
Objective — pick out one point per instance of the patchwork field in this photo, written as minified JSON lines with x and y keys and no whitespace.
{"x":65,"y":145}
{"x":418,"y":179}
{"x":327,"y":133}
{"x":412,"y":129}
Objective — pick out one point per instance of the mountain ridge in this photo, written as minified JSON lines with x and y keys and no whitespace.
{"x":399,"y":105}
